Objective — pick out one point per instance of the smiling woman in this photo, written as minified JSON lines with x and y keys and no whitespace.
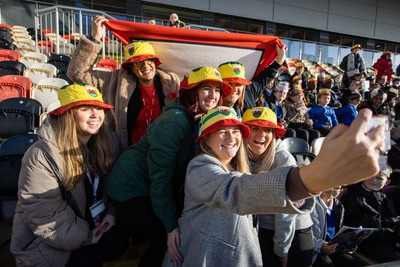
{"x":62,"y":210}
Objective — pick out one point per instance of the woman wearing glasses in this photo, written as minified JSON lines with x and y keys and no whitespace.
{"x":138,"y":90}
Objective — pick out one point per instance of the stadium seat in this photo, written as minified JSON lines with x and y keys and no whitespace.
{"x":9,"y":55}
{"x":9,"y":67}
{"x":61,"y":62}
{"x":66,"y":48}
{"x":112,"y":46}
{"x":33,"y":57}
{"x":102,"y":69}
{"x":295,"y":145}
{"x":7,"y":45}
{"x":46,"y":91}
{"x":107,"y":63}
{"x":14,"y":122}
{"x":316,"y":145}
{"x":11,"y":153}
{"x":30,"y":105}
{"x":14,"y":86}
{"x":18,"y":144}
{"x":7,"y":26}
{"x":39,"y":71}
{"x":46,"y":47}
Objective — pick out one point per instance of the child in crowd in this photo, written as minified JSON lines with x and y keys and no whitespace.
{"x":277,"y":103}
{"x":338,"y":87}
{"x":311,"y":91}
{"x":377,"y":102}
{"x":367,"y":206}
{"x":348,"y":112}
{"x":327,"y":217}
{"x":285,"y":239}
{"x":297,"y":116}
{"x":323,"y":116}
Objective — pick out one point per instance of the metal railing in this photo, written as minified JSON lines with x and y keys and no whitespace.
{"x":66,"y":20}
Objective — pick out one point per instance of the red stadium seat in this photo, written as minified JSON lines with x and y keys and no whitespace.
{"x":108,"y":63}
{"x":14,"y":86}
{"x":9,"y":55}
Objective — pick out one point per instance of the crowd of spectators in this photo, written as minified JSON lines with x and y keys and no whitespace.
{"x":184,"y":178}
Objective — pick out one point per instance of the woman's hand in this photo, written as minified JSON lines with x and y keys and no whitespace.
{"x":347,"y":156}
{"x":98,"y":28}
{"x":328,"y":249}
{"x":107,"y":223}
{"x":281,"y":54}
{"x":96,"y":235}
{"x":174,"y":243}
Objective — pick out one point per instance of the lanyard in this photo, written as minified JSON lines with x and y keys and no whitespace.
{"x":148,"y":117}
{"x":95,"y":184}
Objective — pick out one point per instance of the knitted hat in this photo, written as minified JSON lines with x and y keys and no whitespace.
{"x":282,"y":86}
{"x":202,"y":74}
{"x":139,"y":51}
{"x":324,"y":91}
{"x":233,"y":72}
{"x":263,"y":117}
{"x":219,"y":117}
{"x":79,"y":95}
{"x":356,"y":46}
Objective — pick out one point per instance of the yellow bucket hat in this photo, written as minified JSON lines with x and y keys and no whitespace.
{"x":139,"y":51}
{"x":79,"y":95}
{"x":263,"y":117}
{"x":233,"y":72}
{"x":202,"y":74}
{"x":324,"y":91}
{"x":218,"y":117}
{"x":356,"y":46}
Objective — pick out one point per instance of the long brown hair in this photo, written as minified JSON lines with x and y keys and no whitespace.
{"x":96,"y":157}
{"x":265,"y":160}
{"x":238,"y":163}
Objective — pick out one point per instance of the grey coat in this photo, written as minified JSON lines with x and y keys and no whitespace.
{"x":216,"y":224}
{"x":45,"y":228}
{"x":284,"y":225}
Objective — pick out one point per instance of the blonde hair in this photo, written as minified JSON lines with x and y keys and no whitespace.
{"x":266,"y":159}
{"x":238,"y":163}
{"x":96,"y":157}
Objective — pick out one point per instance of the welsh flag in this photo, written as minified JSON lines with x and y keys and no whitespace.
{"x":182,"y":50}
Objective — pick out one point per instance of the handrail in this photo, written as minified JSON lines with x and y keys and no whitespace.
{"x":56,"y":8}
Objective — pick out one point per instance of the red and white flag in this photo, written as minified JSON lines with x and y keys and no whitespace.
{"x":182,"y":50}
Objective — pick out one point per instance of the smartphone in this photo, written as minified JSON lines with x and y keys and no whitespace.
{"x":381,"y":120}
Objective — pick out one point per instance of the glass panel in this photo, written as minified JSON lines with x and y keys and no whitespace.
{"x":310,"y":52}
{"x":380,"y":46}
{"x":347,"y":41}
{"x":282,"y":31}
{"x":396,"y":61}
{"x":239,"y":26}
{"x":334,"y":39}
{"x":310,"y":36}
{"x":390,"y":47}
{"x":368,"y":58}
{"x":294,"y":49}
{"x":256,"y":28}
{"x":329,"y":54}
{"x":223,"y":23}
{"x":360,"y":41}
{"x":297,"y":34}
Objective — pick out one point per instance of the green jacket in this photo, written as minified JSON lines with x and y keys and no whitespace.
{"x":156,"y":166}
